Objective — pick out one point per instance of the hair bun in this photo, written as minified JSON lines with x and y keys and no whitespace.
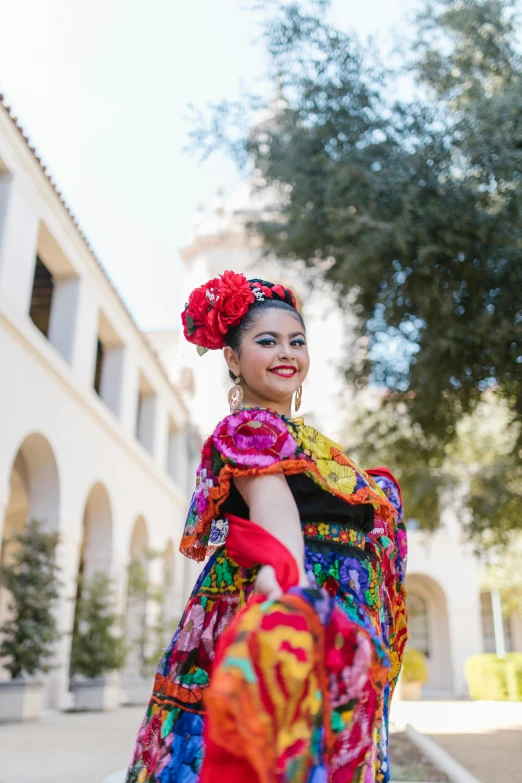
{"x":220,"y":304}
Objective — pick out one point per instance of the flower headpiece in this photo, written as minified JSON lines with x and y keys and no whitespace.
{"x":220,"y":304}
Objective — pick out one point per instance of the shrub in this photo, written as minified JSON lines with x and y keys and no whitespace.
{"x":495,"y":679}
{"x":31,"y":577}
{"x":148,"y":639}
{"x":96,"y":647}
{"x":414,"y":666}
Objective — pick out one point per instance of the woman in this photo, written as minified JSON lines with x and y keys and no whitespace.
{"x":301,"y":685}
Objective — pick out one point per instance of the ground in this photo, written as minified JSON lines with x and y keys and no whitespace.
{"x":409,"y":764}
{"x":68,"y":747}
{"x":485,"y":737}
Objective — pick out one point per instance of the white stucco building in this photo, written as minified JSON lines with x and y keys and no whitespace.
{"x":95,"y":438}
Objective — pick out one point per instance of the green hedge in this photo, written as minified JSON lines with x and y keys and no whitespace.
{"x":495,"y":679}
{"x":414,"y":666}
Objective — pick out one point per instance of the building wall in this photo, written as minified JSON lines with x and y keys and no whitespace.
{"x":107,"y":469}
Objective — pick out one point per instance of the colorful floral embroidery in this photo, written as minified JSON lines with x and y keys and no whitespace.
{"x":335,"y":533}
{"x":313,"y":442}
{"x":258,"y":441}
{"x":363,"y":574}
{"x":254,"y":441}
{"x":342,"y":477}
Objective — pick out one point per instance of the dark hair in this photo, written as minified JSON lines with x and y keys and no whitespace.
{"x":234,"y":336}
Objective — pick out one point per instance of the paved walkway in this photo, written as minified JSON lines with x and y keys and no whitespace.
{"x":485,"y":737}
{"x":68,"y":747}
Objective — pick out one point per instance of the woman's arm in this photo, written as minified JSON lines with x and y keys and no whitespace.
{"x":272,"y":506}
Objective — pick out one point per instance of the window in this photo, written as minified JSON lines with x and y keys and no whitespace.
{"x":146,"y":414}
{"x":98,"y":368}
{"x":108,"y":373}
{"x":175,"y":452}
{"x":488,"y":626}
{"x":41,"y":297}
{"x":418,"y":632}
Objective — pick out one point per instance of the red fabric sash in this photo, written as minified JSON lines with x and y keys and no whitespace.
{"x":249,"y":544}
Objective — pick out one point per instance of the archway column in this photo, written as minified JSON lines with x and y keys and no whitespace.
{"x":68,"y":556}
{"x":465,"y":633}
{"x":137,"y":605}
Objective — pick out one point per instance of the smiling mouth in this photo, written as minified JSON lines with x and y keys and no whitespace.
{"x":284,"y":372}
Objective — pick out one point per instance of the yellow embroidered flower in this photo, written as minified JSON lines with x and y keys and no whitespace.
{"x":322,"y":529}
{"x":339,"y":477}
{"x":311,"y":440}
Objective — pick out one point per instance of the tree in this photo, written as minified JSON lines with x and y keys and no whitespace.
{"x":31,"y":577}
{"x":148,"y":638}
{"x":481,"y":460}
{"x":97,"y":648}
{"x":412,"y":210}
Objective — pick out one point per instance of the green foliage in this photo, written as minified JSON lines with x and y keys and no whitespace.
{"x":492,"y":678}
{"x":478,"y":471}
{"x":150,"y":639}
{"x":412,"y":211}
{"x":31,"y":577}
{"x":386,"y":436}
{"x":97,"y":648}
{"x":414,"y":666}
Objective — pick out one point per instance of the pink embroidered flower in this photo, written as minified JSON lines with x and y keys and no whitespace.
{"x":254,"y":438}
{"x":201,"y":501}
{"x":192,"y":627}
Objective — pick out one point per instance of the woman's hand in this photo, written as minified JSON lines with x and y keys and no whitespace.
{"x":266,"y":583}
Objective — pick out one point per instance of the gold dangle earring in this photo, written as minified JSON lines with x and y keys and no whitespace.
{"x":298,"y":398}
{"x":235,"y":395}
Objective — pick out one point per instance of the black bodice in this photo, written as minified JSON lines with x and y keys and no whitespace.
{"x":313,"y":503}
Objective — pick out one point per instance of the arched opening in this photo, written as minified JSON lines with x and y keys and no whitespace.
{"x":34,"y":494}
{"x":428,"y":629}
{"x":96,"y":546}
{"x":96,"y":549}
{"x":137,"y":600}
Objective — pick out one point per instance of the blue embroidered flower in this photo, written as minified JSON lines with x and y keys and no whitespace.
{"x":353,"y":575}
{"x":187,"y":751}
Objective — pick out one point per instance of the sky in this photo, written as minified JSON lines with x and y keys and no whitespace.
{"x":103,"y":89}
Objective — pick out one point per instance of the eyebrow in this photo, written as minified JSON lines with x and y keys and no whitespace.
{"x":276,"y":334}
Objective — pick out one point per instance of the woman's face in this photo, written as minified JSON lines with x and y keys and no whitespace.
{"x":273,"y":360}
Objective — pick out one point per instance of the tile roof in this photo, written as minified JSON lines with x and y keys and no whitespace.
{"x":87,"y":244}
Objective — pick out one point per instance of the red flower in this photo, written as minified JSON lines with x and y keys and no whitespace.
{"x":235,"y":297}
{"x":214,"y":307}
{"x":199,"y":333}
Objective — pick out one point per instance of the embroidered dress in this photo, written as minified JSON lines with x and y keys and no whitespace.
{"x":355,"y":551}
